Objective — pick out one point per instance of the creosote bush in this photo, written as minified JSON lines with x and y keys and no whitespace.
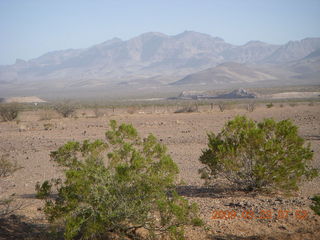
{"x":43,"y":190}
{"x":269,"y":105}
{"x":293,"y":104}
{"x":188,"y":109}
{"x":97,"y":112}
{"x":132,"y":110}
{"x":222,"y":106}
{"x":115,"y":187}
{"x":66,"y":109}
{"x":268,"y":155}
{"x":7,"y":168}
{"x":251,"y":106}
{"x":9,"y":111}
{"x":311,"y":103}
{"x":316,"y":204}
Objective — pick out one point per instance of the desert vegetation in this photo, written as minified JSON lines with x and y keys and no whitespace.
{"x":257,"y":156}
{"x":7,"y":167}
{"x":316,"y":204}
{"x":135,"y":190}
{"x":66,"y":108}
{"x":132,"y":109}
{"x":86,"y":184}
{"x":9,"y":111}
{"x":222,"y":106}
{"x":251,"y":106}
{"x":187,"y":109}
{"x":46,"y":114}
{"x":269,"y":105}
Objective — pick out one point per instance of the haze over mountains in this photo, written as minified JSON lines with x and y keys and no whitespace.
{"x":155,"y":60}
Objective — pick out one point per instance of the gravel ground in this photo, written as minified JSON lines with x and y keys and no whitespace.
{"x":249,"y":215}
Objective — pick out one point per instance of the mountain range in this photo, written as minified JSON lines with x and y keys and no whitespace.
{"x":156,"y":60}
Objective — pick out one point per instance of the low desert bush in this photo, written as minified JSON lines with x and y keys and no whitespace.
{"x":43,"y":190}
{"x":311,"y":104}
{"x":316,"y":204}
{"x":7,"y":168}
{"x":188,"y":109}
{"x":293,"y":104}
{"x":132,"y":110}
{"x":66,"y":109}
{"x":268,"y":155}
{"x":251,"y":106}
{"x":9,"y":111}
{"x":48,"y":126}
{"x":6,"y":207}
{"x":269,"y":105}
{"x":222,"y":106}
{"x":97,"y":112}
{"x":116,"y":187}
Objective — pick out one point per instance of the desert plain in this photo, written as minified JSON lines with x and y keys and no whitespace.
{"x":30,"y":140}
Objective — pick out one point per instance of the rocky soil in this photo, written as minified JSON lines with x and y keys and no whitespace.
{"x":229,"y":214}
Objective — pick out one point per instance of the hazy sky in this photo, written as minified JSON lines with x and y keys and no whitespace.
{"x":29,"y":28}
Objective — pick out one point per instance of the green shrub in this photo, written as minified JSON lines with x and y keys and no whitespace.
{"x":269,"y":105}
{"x":9,"y":111}
{"x":316,"y":204}
{"x":118,"y":186}
{"x":257,"y":156}
{"x":43,"y":190}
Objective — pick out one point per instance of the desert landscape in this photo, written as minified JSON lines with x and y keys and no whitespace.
{"x":30,"y":139}
{"x":145,"y":120}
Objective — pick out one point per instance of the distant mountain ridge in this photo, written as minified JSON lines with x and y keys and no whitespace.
{"x":305,"y":70}
{"x":294,"y":50}
{"x":230,"y":72}
{"x":156,"y":58}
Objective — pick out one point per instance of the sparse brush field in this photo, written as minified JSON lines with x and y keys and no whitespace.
{"x":29,"y":139}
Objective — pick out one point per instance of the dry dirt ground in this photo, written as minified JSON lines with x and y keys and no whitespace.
{"x":30,"y":141}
